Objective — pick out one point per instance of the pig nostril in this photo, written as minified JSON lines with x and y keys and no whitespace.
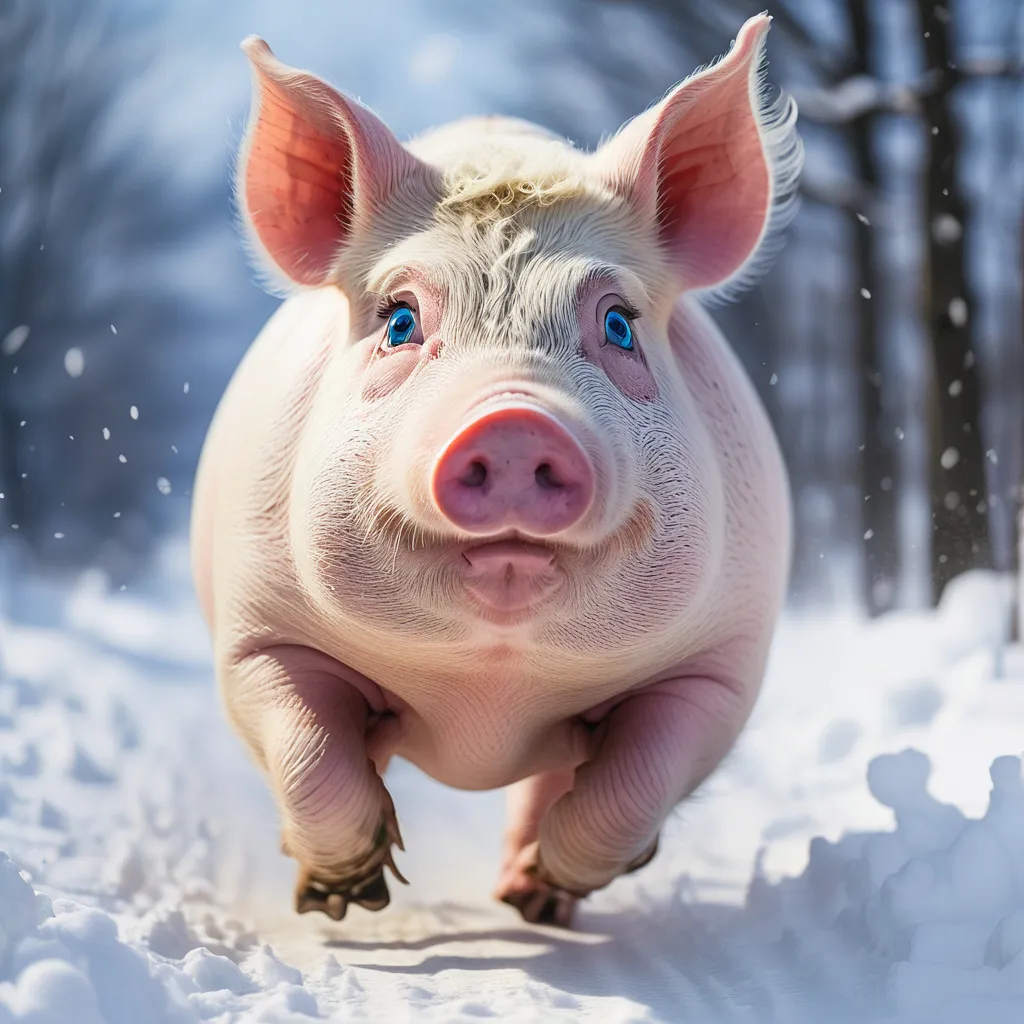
{"x":475,"y":475}
{"x":513,"y":468}
{"x":545,"y":477}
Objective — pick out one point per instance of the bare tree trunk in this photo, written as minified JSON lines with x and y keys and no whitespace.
{"x":960,"y":531}
{"x":1017,"y":495}
{"x":1017,"y":621}
{"x":877,"y":463}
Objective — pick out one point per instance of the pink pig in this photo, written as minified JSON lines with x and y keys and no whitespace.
{"x":490,"y":492}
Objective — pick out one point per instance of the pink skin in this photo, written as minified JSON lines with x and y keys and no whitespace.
{"x":514,"y":467}
{"x":508,"y":550}
{"x":510,"y":575}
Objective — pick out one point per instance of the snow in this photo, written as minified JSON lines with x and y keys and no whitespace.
{"x":74,"y":362}
{"x":14,"y":339}
{"x":859,"y":857}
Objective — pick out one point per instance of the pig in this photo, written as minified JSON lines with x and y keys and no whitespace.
{"x":490,"y":492}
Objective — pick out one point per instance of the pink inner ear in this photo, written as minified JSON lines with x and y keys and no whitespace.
{"x":713,"y":184}
{"x":697,"y":161}
{"x":298,"y":183}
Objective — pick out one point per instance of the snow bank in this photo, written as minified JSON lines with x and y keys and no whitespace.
{"x":142,"y":885}
{"x":921,"y":923}
{"x":932,"y":912}
{"x":67,"y":965}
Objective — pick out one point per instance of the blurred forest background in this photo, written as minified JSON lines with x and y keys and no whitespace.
{"x":886,"y":341}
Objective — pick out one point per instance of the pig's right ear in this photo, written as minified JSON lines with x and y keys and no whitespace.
{"x":315,"y":168}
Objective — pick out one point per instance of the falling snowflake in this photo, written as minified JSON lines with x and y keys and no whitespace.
{"x":74,"y":362}
{"x":958,"y":312}
{"x":14,"y":339}
{"x":946,"y":228}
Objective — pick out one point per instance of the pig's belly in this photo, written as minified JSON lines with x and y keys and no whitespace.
{"x":478,"y":752}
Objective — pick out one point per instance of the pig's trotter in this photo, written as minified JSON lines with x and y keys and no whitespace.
{"x":333,"y":898}
{"x":544,"y":906}
{"x":541,"y":900}
{"x":525,"y":886}
{"x":308,"y":723}
{"x":364,"y":885}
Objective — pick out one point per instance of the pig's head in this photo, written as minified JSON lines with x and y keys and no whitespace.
{"x":501,"y":436}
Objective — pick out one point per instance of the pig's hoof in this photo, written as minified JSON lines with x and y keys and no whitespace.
{"x":333,"y":898}
{"x":539,"y":901}
{"x":543,"y":905}
{"x":364,"y":886}
{"x":528,"y":887}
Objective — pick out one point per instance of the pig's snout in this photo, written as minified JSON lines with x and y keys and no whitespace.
{"x":515,"y":466}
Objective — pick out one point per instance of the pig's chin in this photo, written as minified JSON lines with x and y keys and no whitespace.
{"x":509,"y":576}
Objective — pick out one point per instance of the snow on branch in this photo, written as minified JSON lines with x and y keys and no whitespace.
{"x":860,"y":95}
{"x":852,"y":99}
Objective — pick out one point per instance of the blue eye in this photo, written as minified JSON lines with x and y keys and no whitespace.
{"x":401,"y":325}
{"x":618,"y":330}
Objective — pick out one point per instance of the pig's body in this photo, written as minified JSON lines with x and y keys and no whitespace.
{"x":486,"y":706}
{"x":650,"y":604}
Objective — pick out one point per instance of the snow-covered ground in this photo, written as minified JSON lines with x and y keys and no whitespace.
{"x":860,"y":857}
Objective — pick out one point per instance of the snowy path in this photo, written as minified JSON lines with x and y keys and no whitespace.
{"x":122,"y":791}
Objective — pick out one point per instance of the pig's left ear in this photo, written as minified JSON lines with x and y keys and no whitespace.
{"x":713,"y":166}
{"x":317,"y":169}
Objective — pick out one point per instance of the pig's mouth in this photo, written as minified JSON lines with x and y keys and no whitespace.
{"x":510,"y":574}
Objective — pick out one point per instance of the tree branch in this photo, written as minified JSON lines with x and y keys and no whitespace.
{"x":861,"y":95}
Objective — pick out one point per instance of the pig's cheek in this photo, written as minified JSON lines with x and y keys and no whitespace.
{"x":386,"y":373}
{"x":629,"y":374}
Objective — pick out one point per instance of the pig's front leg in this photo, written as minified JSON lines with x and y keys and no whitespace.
{"x":654,"y":749}
{"x":307,"y":724}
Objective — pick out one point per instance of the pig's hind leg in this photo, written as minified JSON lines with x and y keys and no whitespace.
{"x":527,"y":802}
{"x":307,"y":725}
